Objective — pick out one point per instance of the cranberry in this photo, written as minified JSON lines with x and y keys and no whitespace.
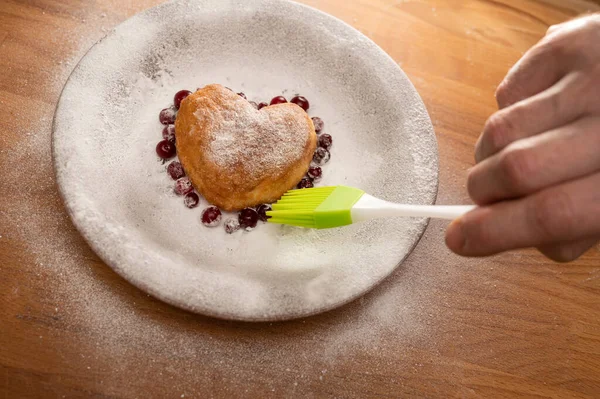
{"x":262,"y":105}
{"x":183,"y":186}
{"x":242,"y":95}
{"x":232,"y":225}
{"x":167,"y":116}
{"x":278,"y":100}
{"x":248,"y":218}
{"x":211,"y":216}
{"x":319,"y":124}
{"x":262,"y":212}
{"x":321,"y":156}
{"x":302,"y":102}
{"x":165,"y":149}
{"x":325,"y":141}
{"x":175,"y":170}
{"x":191,"y":200}
{"x":255,"y":105}
{"x":305,"y":183}
{"x":168,"y":133}
{"x":180,"y":96}
{"x":315,"y":173}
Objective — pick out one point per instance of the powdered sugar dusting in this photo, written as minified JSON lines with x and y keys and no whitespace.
{"x":113,"y":325}
{"x":107,"y":117}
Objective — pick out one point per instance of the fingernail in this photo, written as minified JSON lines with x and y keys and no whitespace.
{"x":455,"y":236}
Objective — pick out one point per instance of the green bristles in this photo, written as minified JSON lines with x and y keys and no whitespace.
{"x":317,"y":208}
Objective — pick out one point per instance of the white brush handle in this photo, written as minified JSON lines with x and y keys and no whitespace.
{"x":369,"y":207}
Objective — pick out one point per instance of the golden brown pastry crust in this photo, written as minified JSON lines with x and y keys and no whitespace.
{"x":237,"y":156}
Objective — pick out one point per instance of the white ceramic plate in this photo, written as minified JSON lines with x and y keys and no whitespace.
{"x":121,"y":200}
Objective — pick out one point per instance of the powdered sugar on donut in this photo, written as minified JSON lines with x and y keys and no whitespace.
{"x":272,"y":138}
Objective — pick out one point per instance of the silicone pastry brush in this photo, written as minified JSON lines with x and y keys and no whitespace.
{"x":336,"y":206}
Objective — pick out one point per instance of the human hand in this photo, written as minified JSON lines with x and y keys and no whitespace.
{"x":537,"y":177}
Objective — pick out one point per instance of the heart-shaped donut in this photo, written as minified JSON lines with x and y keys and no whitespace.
{"x":237,"y":156}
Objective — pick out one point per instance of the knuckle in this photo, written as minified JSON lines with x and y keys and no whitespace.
{"x":584,"y":41}
{"x":553,"y":28}
{"x":553,"y":216}
{"x":497,"y":129}
{"x":578,"y":39}
{"x":517,"y":167}
{"x":575,"y":95}
{"x":502,"y":94}
{"x":509,"y":92}
{"x":551,"y":48}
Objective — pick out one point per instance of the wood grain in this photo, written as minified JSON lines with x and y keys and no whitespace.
{"x":514,"y":325}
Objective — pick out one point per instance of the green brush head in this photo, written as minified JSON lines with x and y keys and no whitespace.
{"x":316,"y":208}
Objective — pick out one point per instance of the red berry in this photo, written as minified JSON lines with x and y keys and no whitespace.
{"x":242,"y":95}
{"x":321,"y":156}
{"x":211,"y":216}
{"x":191,"y":200}
{"x":175,"y":170}
{"x":183,"y":186}
{"x":315,"y":173}
{"x":165,"y":149}
{"x":325,"y":141}
{"x":168,"y":133}
{"x":248,"y":218}
{"x":262,"y":212}
{"x":232,"y":225}
{"x":278,"y":100}
{"x":167,"y":116}
{"x":302,"y":102}
{"x":179,"y":97}
{"x":305,"y":183}
{"x":262,"y":105}
{"x":319,"y":124}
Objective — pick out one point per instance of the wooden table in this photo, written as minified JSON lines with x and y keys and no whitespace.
{"x":514,"y":325}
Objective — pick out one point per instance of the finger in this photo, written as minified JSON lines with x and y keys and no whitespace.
{"x":568,"y":252}
{"x":540,"y":68}
{"x":562,"y":103}
{"x":531,"y":164}
{"x":562,"y":213}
